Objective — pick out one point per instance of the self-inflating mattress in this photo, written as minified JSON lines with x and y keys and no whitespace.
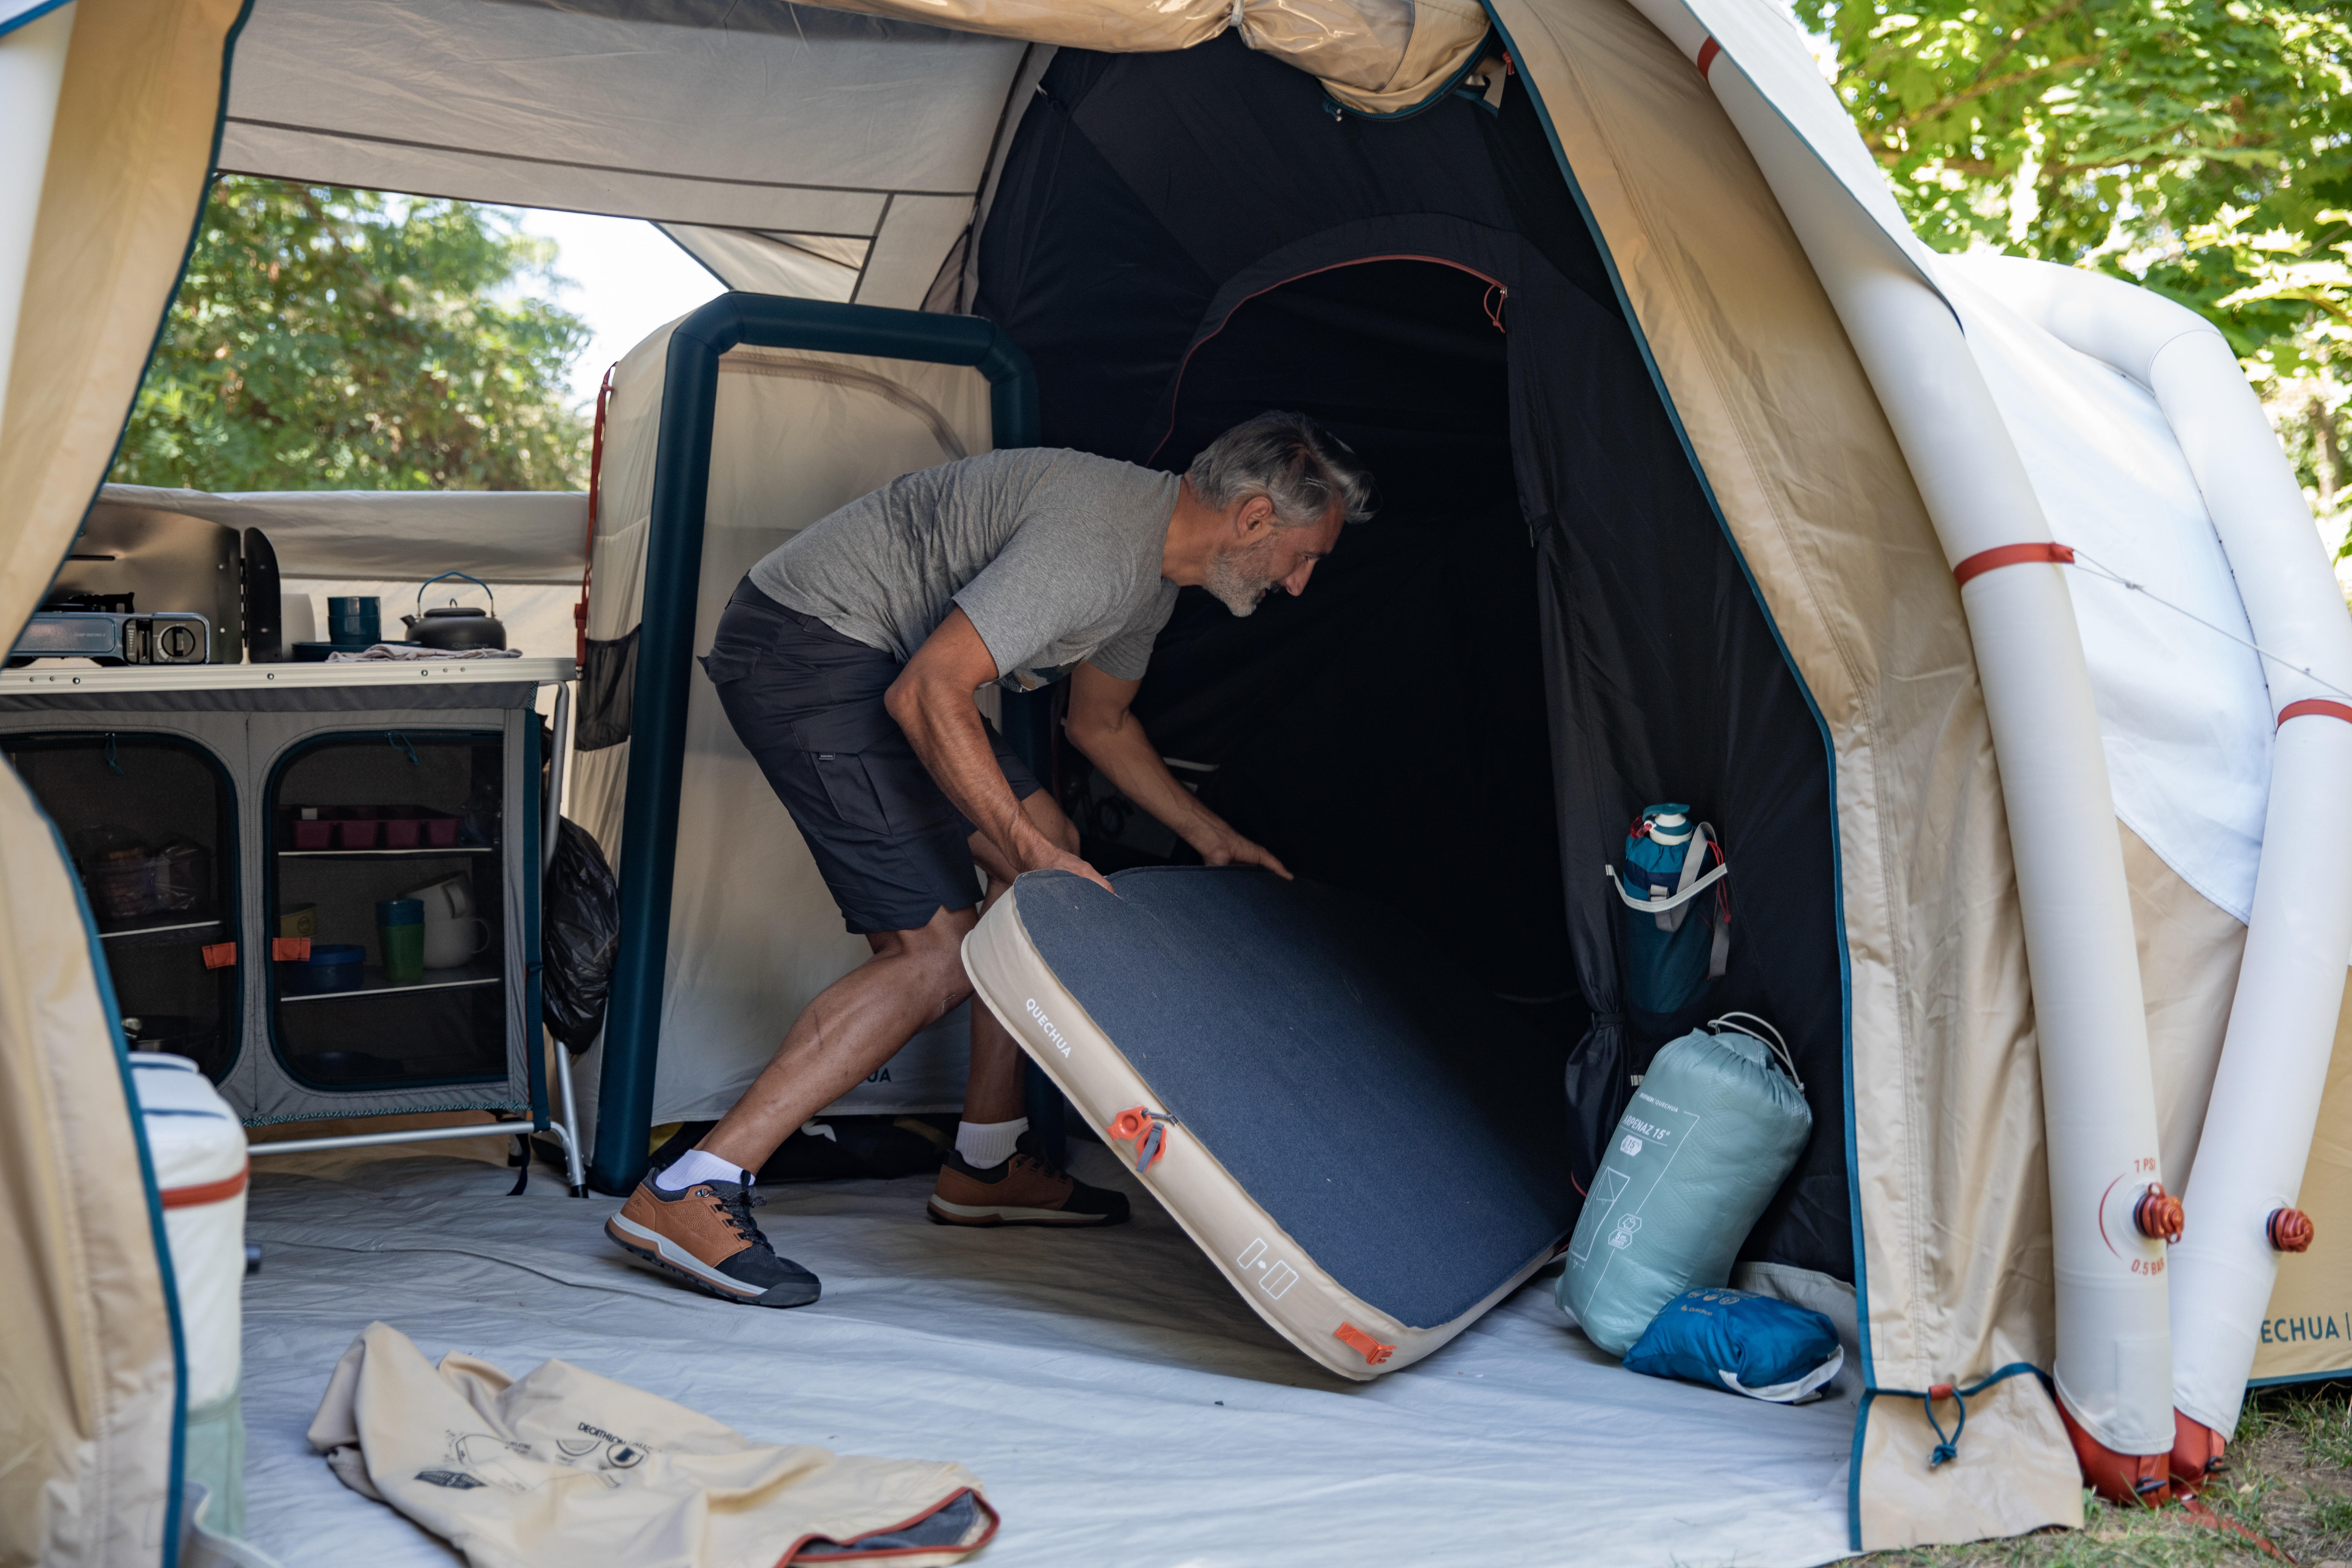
{"x":1366,"y":1143}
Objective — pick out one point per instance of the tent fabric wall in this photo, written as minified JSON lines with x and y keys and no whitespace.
{"x":1376,"y":56}
{"x":780,"y":118}
{"x":1952,"y":1207}
{"x":2188,"y":954}
{"x":125,"y":181}
{"x":88,"y":1400}
{"x":2307,"y":1332}
{"x":753,"y":934}
{"x":89,"y":1408}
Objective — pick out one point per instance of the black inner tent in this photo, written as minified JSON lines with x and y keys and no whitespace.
{"x":1544,"y":628}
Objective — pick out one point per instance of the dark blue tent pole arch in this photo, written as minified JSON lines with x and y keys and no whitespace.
{"x":666,"y":638}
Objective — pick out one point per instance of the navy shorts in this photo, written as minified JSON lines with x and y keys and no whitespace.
{"x":806,"y":702}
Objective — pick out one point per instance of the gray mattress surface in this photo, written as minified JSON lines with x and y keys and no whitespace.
{"x":1400,"y":1124}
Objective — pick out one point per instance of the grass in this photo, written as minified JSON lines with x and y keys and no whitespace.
{"x":2290,"y":1480}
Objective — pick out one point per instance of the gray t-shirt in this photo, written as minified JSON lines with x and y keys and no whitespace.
{"x":1054,"y":554}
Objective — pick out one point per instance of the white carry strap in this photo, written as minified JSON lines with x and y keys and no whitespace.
{"x":1770,"y":1039}
{"x":1672,"y":910}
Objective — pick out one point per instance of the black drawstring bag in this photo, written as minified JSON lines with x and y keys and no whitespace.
{"x":583,"y":933}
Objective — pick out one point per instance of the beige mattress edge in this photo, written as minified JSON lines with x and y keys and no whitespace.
{"x":1269,"y":1269}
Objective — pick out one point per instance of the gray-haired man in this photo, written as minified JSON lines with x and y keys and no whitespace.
{"x":846,"y":662}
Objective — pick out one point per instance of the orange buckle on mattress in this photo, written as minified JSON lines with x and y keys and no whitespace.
{"x":1147,"y":1130}
{"x":289,"y":949}
{"x":219,"y":954}
{"x":1371,"y":1350}
{"x":1985,"y":560}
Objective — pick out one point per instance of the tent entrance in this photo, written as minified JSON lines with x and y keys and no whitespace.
{"x":1546,"y":627}
{"x":1385,"y":732}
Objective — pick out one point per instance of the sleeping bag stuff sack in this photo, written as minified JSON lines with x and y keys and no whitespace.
{"x":1715,"y":1127}
{"x":1358,"y":1134}
{"x":1678,"y":939}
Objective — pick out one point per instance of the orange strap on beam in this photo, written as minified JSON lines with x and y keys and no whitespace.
{"x":1985,"y":560}
{"x":219,"y":954}
{"x":2319,"y":707}
{"x":205,"y":1193}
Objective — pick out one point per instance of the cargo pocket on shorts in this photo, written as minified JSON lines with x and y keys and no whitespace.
{"x":850,"y":791}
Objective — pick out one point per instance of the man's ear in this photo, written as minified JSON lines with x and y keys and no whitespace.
{"x":1254,"y":521}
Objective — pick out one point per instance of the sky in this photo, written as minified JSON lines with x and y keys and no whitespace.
{"x":626,"y":278}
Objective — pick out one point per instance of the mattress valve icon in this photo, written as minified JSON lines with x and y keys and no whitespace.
{"x":1623,"y":1237}
{"x":1147,"y":1130}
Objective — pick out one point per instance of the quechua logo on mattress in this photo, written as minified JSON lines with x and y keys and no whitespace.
{"x":1046,"y":1024}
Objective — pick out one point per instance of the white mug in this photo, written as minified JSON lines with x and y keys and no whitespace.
{"x":450,"y":899}
{"x":446,"y":942}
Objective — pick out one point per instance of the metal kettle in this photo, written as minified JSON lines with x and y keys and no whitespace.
{"x":454,"y":628}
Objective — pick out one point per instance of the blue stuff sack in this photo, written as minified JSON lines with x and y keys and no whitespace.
{"x":1755,"y":1345}
{"x":1677,"y":939}
{"x":1715,"y":1127}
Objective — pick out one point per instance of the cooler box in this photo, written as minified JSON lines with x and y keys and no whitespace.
{"x":198,"y":1149}
{"x":1365,"y":1142}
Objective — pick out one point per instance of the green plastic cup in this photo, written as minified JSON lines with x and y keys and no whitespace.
{"x":400,"y":931}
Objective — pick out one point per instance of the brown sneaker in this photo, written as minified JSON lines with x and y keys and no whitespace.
{"x":706,"y":1237}
{"x":1024,"y":1190}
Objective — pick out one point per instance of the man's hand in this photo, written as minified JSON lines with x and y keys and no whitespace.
{"x":1227,"y":847}
{"x":1112,"y":738}
{"x":931,"y":700}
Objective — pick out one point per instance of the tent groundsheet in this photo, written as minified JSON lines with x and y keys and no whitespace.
{"x":1120,"y":1403}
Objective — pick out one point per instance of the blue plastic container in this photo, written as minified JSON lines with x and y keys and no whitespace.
{"x":339,"y":966}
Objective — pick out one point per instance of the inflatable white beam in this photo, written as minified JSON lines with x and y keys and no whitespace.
{"x":2112,"y":1365}
{"x":2274,"y":1057}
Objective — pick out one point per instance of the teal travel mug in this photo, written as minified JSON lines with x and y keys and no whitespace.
{"x":400,"y":930}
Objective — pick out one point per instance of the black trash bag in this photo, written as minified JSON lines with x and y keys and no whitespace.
{"x":583,"y":933}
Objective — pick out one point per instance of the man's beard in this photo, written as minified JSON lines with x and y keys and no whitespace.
{"x":1238,"y":577}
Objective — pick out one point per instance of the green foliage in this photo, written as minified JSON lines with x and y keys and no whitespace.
{"x":2202,"y":147}
{"x":331,"y":339}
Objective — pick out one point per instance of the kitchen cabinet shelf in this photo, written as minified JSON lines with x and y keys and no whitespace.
{"x":441,"y":853}
{"x":164,"y":930}
{"x":376,"y":985}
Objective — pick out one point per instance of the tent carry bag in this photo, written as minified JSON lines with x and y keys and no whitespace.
{"x":1715,"y":1127}
{"x":1676,"y":939}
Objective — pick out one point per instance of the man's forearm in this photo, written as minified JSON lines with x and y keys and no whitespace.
{"x":1128,"y":758}
{"x":946,"y":731}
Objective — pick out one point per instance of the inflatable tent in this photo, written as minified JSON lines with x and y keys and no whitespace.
{"x":1934,"y":581}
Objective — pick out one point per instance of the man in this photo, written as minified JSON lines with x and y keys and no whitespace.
{"x":846,"y":662}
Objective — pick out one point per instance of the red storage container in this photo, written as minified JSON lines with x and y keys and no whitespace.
{"x":358,"y":832}
{"x":313,"y":834}
{"x":441,"y":832}
{"x":401,"y":832}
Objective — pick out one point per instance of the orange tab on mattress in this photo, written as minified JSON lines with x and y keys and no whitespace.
{"x":1370,"y":1349}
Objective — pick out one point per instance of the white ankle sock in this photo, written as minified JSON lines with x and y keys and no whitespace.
{"x":698,"y":1165}
{"x":986,"y":1143}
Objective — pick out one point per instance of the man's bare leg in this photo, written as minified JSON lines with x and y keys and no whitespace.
{"x":993,"y":1091}
{"x":853,"y":1027}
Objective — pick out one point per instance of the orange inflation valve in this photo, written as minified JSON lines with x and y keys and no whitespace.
{"x":2158,"y":1215}
{"x":1147,"y":1130}
{"x":1371,"y":1350}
